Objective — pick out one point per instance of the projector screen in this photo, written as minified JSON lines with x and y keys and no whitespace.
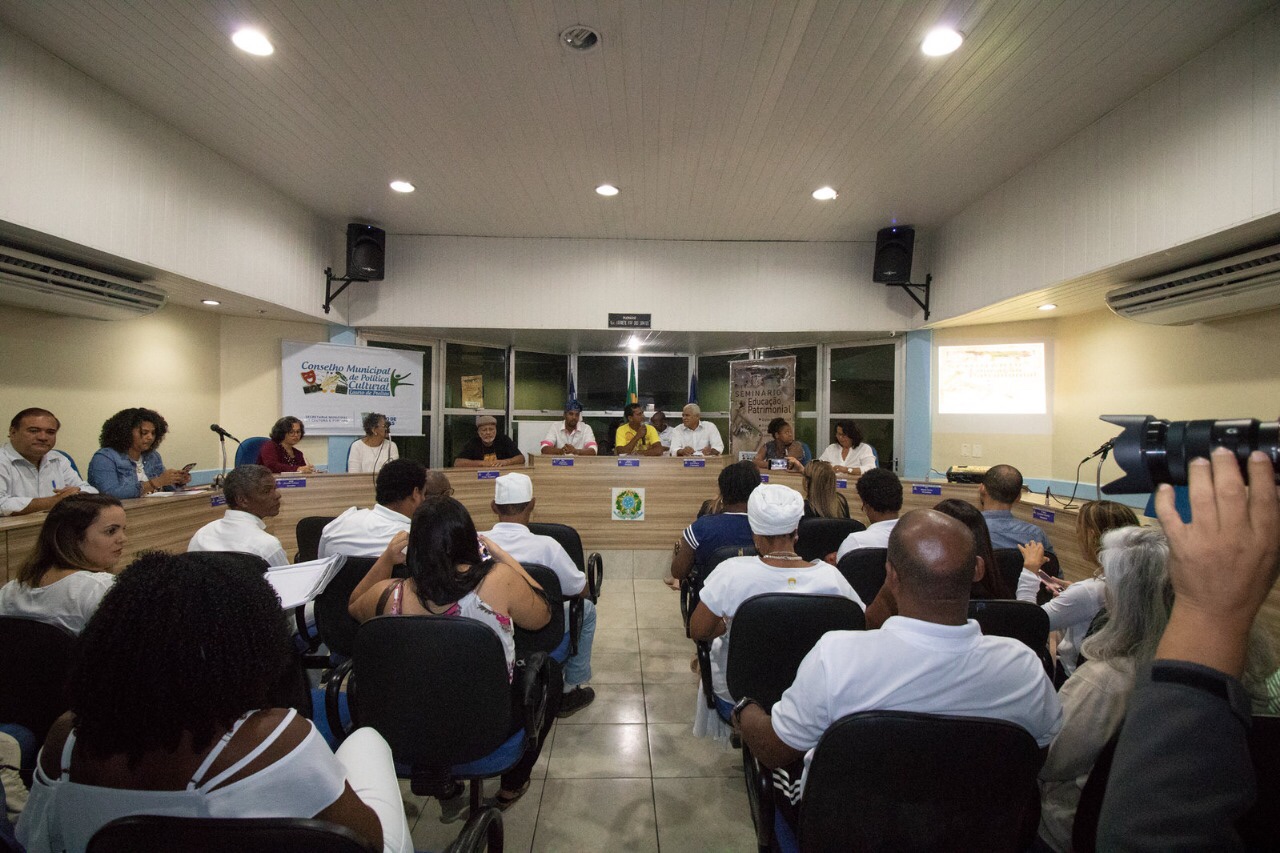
{"x":991,"y":379}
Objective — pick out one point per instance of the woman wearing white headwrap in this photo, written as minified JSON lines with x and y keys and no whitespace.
{"x":774,"y":512}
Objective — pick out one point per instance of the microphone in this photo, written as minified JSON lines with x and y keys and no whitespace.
{"x":222,"y":432}
{"x":1101,"y":451}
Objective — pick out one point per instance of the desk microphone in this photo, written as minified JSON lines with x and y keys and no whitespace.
{"x":222,"y":432}
{"x":1101,"y":451}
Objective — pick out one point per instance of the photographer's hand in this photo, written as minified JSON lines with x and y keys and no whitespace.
{"x":1224,"y":563}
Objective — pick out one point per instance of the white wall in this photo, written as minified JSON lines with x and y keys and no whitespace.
{"x":575,"y":284}
{"x":1196,"y":153}
{"x":79,"y":162}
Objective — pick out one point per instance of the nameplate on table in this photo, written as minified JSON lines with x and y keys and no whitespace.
{"x":842,"y":484}
{"x":764,"y":478}
{"x":291,"y":483}
{"x":218,"y":500}
{"x":628,"y":463}
{"x":1039,"y":513}
{"x":486,"y":475}
{"x":695,"y":463}
{"x":926,"y":490}
{"x":562,"y":463}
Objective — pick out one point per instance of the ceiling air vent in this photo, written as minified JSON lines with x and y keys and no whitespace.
{"x":45,"y":284}
{"x":1223,"y":288}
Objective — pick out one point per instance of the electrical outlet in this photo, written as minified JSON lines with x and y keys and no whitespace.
{"x":977,"y":450}
{"x":964,"y":450}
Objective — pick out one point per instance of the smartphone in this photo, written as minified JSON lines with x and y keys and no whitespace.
{"x":484,"y":551}
{"x":778,"y":464}
{"x":1049,"y":580}
{"x":186,"y":469}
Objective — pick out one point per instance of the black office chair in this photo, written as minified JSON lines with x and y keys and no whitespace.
{"x":1020,"y":620}
{"x":592,"y":567}
{"x":892,"y":780}
{"x":864,"y":569}
{"x":691,"y":586}
{"x":35,"y":660}
{"x":308,"y":534}
{"x":772,"y":633}
{"x":1009,"y":564}
{"x":337,"y":629}
{"x":551,"y":638}
{"x":819,"y":537}
{"x":437,"y":688}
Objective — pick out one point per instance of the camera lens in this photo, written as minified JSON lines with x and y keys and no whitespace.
{"x":1152,"y":451}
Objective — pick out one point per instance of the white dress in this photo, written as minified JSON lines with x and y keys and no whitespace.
{"x":861,"y":457}
{"x":364,"y":459}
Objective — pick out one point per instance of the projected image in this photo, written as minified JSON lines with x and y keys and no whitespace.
{"x":991,"y":379}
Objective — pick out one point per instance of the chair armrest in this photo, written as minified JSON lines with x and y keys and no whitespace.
{"x":704,"y":670}
{"x":483,"y":831}
{"x":759,"y":798}
{"x":576,"y":615}
{"x":332,"y":690}
{"x":595,"y":575}
{"x":530,"y":682}
{"x":300,"y":623}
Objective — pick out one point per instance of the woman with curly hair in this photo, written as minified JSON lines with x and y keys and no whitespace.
{"x":174,"y":711}
{"x":70,"y":569}
{"x":281,"y":453}
{"x":783,"y":448}
{"x":128,"y":464}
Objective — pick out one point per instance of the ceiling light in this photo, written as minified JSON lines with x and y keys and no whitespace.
{"x":825,"y":194}
{"x":210,"y":302}
{"x":633,"y":343}
{"x":402,"y":186}
{"x":252,"y":41}
{"x":579,"y":37}
{"x":1048,"y":306}
{"x":941,"y":41}
{"x":607,"y":190}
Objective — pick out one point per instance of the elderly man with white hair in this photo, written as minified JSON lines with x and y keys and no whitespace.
{"x":774,"y":512}
{"x":694,"y":436}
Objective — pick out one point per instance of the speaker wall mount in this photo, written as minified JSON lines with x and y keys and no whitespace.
{"x":924,"y":288}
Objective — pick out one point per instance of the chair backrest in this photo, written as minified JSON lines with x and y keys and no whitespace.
{"x":550,"y":636}
{"x":1084,"y":827}
{"x":568,"y":538}
{"x":863,"y":568}
{"x":718,"y":556}
{"x":336,"y":626}
{"x":1020,"y":620}
{"x":819,"y":537}
{"x":436,"y":687}
{"x":247,"y":452}
{"x":36,"y":659}
{"x":308,"y":534}
{"x":773,"y":632}
{"x":213,"y":835}
{"x":893,"y":780}
{"x":1009,"y":565}
{"x":70,"y":460}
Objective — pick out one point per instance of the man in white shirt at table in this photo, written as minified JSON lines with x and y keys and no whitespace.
{"x":251,"y":496}
{"x":694,"y":436}
{"x":32,"y":479}
{"x":398,"y":491}
{"x":571,"y":438}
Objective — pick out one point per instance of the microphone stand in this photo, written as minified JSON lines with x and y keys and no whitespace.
{"x":222,"y":440}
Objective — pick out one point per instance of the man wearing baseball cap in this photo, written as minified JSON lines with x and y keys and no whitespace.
{"x":573,"y":437}
{"x":488,"y":449}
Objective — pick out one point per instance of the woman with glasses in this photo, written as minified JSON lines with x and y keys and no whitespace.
{"x":281,"y":454}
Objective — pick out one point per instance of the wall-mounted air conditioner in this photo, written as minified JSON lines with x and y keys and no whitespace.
{"x":1223,"y":288}
{"x":44,"y":284}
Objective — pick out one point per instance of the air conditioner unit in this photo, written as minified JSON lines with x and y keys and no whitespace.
{"x":44,"y":284}
{"x":1223,"y":288}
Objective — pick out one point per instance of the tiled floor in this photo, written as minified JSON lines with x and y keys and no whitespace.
{"x":625,"y":773}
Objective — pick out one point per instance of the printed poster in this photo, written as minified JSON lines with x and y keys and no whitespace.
{"x":759,"y":391}
{"x":331,"y":387}
{"x":473,"y":392}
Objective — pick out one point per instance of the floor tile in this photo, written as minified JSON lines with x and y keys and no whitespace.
{"x":518,"y":821}
{"x":662,"y":619}
{"x":596,"y":814}
{"x":654,"y":586}
{"x":651,"y":564}
{"x":614,"y":638}
{"x":675,"y":752}
{"x":656,"y":641}
{"x":615,"y":667}
{"x":614,"y":704}
{"x":617,"y":564}
{"x":668,"y":669}
{"x":670,"y":703}
{"x":700,"y":815}
{"x":600,"y":752}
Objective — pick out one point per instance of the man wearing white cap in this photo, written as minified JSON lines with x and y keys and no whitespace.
{"x":513,"y":504}
{"x":774,"y":512}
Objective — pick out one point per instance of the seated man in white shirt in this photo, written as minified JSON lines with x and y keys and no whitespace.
{"x":251,"y":496}
{"x":31,"y":478}
{"x":881,"y":493}
{"x":366,"y":532}
{"x":931,"y":658}
{"x":573,"y":437}
{"x":694,"y":435}
{"x":513,"y":504}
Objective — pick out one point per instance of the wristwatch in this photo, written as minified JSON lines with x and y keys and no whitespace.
{"x":735,"y":716}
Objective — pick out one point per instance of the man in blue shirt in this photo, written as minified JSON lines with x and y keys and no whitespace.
{"x":727,"y":527}
{"x":1002,"y":488}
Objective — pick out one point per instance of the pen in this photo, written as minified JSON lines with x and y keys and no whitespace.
{"x":55,"y":485}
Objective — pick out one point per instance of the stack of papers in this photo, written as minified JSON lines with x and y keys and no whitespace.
{"x":300,"y":583}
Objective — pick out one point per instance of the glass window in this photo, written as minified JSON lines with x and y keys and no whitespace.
{"x":416,"y":447}
{"x":602,"y":382}
{"x":489,"y":363}
{"x":663,"y":381}
{"x":713,"y":382}
{"x":542,"y":381}
{"x":604,"y":429}
{"x":862,"y":379}
{"x":806,"y":375}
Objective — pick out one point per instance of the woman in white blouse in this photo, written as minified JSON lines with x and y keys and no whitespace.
{"x":850,"y":454}
{"x":376,"y":449}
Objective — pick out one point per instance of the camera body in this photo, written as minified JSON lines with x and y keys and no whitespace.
{"x":1153,"y":451}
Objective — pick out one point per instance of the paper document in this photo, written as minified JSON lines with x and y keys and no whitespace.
{"x":302,"y":582}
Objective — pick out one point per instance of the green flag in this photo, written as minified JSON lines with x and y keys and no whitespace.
{"x":633,"y":393}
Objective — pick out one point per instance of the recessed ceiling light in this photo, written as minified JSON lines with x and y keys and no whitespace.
{"x":941,"y":41}
{"x":825,"y":194}
{"x":402,"y":186}
{"x":579,"y":37}
{"x":607,"y":190}
{"x":633,"y":343}
{"x":210,"y":302}
{"x":252,"y":41}
{"x":1048,"y":306}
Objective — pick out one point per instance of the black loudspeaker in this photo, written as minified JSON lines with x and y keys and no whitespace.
{"x":893,"y":254}
{"x":366,"y":251}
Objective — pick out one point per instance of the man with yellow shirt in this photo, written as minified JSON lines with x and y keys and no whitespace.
{"x":635,"y":437}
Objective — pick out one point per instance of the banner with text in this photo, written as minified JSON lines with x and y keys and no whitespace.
{"x":759,"y":392}
{"x":330,"y":387}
